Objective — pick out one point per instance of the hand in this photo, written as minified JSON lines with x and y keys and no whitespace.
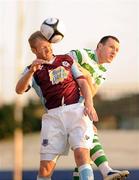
{"x":37,"y":65}
{"x":91,"y":112}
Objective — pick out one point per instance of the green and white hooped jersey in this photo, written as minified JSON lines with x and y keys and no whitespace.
{"x":88,"y":60}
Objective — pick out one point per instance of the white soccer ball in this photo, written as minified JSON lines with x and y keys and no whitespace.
{"x":53,"y":29}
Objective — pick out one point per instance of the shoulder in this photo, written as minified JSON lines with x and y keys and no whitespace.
{"x":26,"y":69}
{"x":65,"y":57}
{"x":82,"y":54}
{"x":81,"y":51}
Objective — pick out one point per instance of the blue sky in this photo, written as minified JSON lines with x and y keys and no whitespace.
{"x":86,"y":22}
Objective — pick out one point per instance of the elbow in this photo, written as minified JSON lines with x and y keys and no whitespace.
{"x":18,"y":91}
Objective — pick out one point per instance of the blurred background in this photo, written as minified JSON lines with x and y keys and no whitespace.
{"x":117,"y":101}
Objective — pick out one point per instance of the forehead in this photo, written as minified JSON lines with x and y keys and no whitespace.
{"x":41,"y":42}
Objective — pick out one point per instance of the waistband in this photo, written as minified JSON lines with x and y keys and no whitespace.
{"x":66,"y":106}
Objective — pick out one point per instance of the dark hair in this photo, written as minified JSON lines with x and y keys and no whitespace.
{"x":36,"y":35}
{"x":104,"y":39}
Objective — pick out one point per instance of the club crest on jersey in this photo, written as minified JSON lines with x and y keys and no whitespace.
{"x":58,"y":75}
{"x":65,"y":63}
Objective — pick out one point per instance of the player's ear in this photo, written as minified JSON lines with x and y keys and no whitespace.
{"x":33,"y":50}
{"x":100,"y":45}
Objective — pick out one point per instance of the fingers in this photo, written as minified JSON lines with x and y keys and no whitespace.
{"x":91,"y":113}
{"x":37,"y":64}
{"x":94,"y":117}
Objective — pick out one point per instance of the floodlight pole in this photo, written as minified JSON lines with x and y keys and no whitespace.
{"x":18,"y":111}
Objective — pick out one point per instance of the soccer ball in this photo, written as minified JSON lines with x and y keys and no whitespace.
{"x":52,"y":29}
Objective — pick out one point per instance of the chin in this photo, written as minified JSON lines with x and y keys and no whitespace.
{"x":109,"y":60}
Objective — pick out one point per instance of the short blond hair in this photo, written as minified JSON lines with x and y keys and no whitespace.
{"x":34,"y":37}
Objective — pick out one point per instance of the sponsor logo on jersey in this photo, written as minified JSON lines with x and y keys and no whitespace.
{"x":58,"y":75}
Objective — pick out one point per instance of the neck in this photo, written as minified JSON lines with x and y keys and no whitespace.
{"x":100,"y":59}
{"x":51,"y":59}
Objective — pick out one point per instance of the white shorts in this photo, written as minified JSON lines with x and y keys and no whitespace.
{"x":64,"y":127}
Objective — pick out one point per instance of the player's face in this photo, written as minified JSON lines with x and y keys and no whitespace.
{"x":43,"y":50}
{"x":109,"y":50}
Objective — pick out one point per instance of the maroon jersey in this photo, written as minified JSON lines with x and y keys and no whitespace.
{"x":55,"y":83}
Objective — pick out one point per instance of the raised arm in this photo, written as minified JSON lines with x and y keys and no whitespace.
{"x":24,"y":82}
